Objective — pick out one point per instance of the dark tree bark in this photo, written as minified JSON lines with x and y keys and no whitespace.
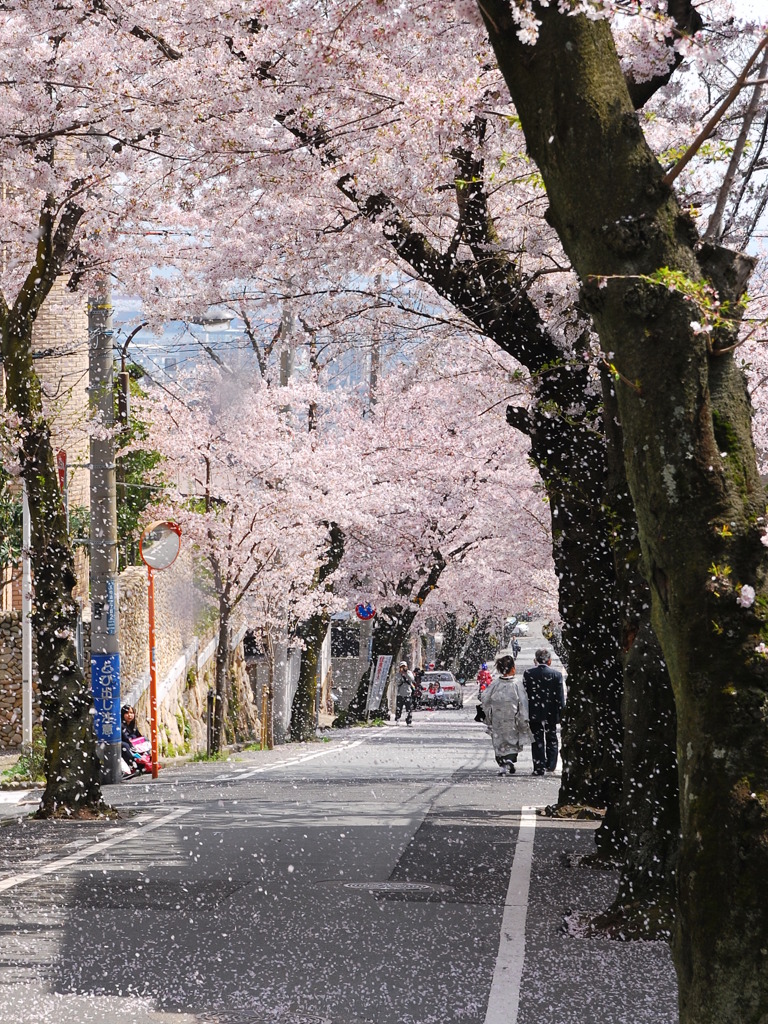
{"x":691,"y":467}
{"x":71,"y":765}
{"x":222,"y":672}
{"x":646,"y":831}
{"x":478,"y":648}
{"x":454,"y":640}
{"x":313,"y":632}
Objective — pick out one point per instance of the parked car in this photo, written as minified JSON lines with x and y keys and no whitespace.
{"x":520,"y":629}
{"x":441,"y":690}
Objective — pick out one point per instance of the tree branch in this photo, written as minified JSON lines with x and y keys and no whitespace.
{"x":718,"y":115}
{"x":688,"y":22}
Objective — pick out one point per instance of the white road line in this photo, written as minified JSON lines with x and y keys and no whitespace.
{"x":504,"y":999}
{"x":122,"y":836}
{"x":246,"y":773}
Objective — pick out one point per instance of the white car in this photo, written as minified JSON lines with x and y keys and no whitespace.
{"x":441,"y":690}
{"x":520,"y":629}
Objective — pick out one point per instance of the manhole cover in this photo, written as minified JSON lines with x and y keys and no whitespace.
{"x":299,"y":1018}
{"x":244,"y":1018}
{"x":396,"y":886}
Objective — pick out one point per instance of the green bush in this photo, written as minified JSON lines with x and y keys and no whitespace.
{"x":30,"y":766}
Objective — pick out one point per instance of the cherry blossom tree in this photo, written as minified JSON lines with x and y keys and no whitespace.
{"x":691,"y":467}
{"x":452,"y":508}
{"x":249,"y":488}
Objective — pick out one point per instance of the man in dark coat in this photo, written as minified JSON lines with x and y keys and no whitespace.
{"x":546,"y":700}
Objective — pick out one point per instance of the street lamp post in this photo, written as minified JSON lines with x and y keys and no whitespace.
{"x":159,"y":545}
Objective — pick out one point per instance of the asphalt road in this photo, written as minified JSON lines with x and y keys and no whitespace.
{"x":370,"y":878}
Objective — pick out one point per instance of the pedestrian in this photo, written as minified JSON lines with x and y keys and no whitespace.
{"x":506,"y":713}
{"x":484,"y":679}
{"x":405,"y":685}
{"x":546,"y":700}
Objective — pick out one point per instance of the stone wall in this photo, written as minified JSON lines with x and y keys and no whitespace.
{"x":182,"y":701}
{"x":185,"y":660}
{"x":178,"y":609}
{"x":10,"y":683}
{"x":186,"y":664}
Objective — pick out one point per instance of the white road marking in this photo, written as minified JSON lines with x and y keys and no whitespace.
{"x":246,"y":773}
{"x":504,"y":998}
{"x":121,"y":836}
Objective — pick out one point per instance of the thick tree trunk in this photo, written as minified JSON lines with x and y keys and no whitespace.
{"x":692,"y":472}
{"x":646,"y":836}
{"x":313,"y":632}
{"x":222,"y":674}
{"x":72,"y":769}
{"x":71,"y":764}
{"x":571,"y":459}
{"x":454,"y":640}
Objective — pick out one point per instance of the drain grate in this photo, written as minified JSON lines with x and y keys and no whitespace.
{"x":418,"y":887}
{"x":246,"y":1018}
{"x":298,"y":1018}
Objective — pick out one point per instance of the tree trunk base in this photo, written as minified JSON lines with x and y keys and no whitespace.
{"x":100,"y":812}
{"x":628,"y":922}
{"x":574,"y":812}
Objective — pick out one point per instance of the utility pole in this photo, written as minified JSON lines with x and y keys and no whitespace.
{"x":26,"y":625}
{"x":105,"y":636}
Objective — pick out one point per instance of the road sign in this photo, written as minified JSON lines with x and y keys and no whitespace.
{"x":379,"y":681}
{"x":105,"y":684}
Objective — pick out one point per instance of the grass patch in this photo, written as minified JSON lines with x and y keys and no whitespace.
{"x":30,"y":766}
{"x":201,"y":755}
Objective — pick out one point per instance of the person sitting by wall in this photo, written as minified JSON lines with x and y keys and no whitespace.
{"x":129,"y":731}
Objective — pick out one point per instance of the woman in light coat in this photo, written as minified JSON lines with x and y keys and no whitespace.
{"x":506,"y":713}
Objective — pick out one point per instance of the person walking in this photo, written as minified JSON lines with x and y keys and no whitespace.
{"x":506,"y":713}
{"x":546,"y":700}
{"x":405,"y":686}
{"x":484,"y":679}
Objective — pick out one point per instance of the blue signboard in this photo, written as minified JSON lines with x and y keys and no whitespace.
{"x":111,"y":606}
{"x":105,"y":684}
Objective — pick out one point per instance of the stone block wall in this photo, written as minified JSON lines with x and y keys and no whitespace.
{"x":186,"y":665}
{"x":178,"y":608}
{"x":61,"y":331}
{"x":185,"y":660}
{"x":10,"y":683}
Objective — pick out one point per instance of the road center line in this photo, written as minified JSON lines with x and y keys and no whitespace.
{"x":504,"y":998}
{"x":248,"y":772}
{"x":122,"y":836}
